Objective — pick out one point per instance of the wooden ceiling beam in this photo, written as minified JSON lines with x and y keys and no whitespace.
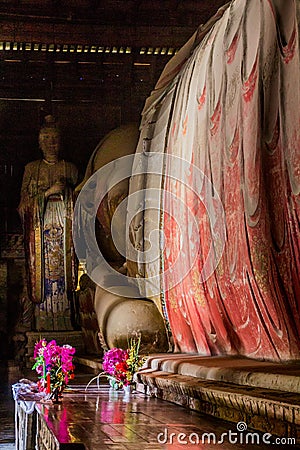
{"x":132,"y":10}
{"x":93,"y":34}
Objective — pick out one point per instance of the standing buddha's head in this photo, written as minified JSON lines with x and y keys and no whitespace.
{"x":50,"y":139}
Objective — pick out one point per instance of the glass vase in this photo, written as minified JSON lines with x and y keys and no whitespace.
{"x":114,"y":385}
{"x":129,"y":389}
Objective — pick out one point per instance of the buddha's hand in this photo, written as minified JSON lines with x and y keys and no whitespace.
{"x":57,"y":188}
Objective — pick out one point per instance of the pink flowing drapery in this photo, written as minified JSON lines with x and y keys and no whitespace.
{"x":231,"y":110}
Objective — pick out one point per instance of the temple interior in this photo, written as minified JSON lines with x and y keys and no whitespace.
{"x":149,"y":204}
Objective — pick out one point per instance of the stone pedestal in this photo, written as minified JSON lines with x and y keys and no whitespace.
{"x":73,"y":338}
{"x":265,"y":396}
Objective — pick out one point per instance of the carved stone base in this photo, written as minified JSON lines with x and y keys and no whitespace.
{"x":265,"y":397}
{"x":73,"y":338}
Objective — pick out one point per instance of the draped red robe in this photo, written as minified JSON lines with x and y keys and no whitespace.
{"x":231,"y":110}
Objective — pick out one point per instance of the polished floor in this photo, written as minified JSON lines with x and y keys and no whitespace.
{"x":106,"y":419}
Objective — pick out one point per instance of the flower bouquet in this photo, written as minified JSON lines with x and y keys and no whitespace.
{"x":120,"y":365}
{"x":54,"y":365}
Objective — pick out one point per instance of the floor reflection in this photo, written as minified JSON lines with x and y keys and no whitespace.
{"x":107,"y":419}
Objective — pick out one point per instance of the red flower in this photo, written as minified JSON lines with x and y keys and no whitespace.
{"x":122,"y":367}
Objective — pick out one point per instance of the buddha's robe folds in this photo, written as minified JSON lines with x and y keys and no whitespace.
{"x":229,"y":105}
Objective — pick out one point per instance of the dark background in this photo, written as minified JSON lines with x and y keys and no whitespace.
{"x":90,"y":63}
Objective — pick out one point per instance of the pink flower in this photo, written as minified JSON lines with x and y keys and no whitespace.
{"x":39,"y":348}
{"x":54,"y":359}
{"x":113,"y":357}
